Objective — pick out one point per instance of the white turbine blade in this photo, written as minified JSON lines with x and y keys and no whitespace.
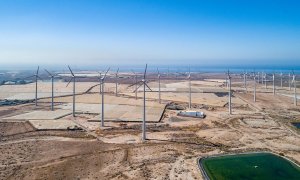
{"x":39,"y":77}
{"x":157,"y":71}
{"x":106,"y":73}
{"x":134,"y":84}
{"x":133,"y":72}
{"x":148,"y":86}
{"x":145,"y":72}
{"x":141,"y":83}
{"x":37,"y":71}
{"x":117,"y":72}
{"x":69,"y":81}
{"x":48,"y":73}
{"x":71,"y":71}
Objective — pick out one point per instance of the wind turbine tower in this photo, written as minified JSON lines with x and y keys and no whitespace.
{"x":265,"y":80}
{"x":36,"y":76}
{"x":245,"y":81}
{"x":102,"y":98}
{"x":229,"y":93}
{"x":295,"y":90}
{"x":136,"y":83}
{"x":117,"y":78}
{"x":52,"y":89}
{"x":100,"y":84}
{"x":289,"y":81}
{"x":273,"y":83}
{"x":144,"y":107}
{"x":254,"y":98}
{"x":159,"y":95}
{"x":74,"y":81}
{"x":190,"y":90}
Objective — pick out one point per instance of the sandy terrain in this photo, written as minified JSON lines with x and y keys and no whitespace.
{"x":174,"y":143}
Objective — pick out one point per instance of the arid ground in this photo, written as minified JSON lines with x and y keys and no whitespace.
{"x":173,"y":144}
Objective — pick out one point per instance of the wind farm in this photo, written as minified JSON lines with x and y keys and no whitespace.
{"x":144,"y":115}
{"x":149,"y":90}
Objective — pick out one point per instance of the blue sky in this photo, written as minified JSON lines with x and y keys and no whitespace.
{"x":210,"y":32}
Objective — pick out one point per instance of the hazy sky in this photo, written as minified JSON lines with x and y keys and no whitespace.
{"x":154,"y":31}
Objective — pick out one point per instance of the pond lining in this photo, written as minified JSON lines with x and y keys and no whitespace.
{"x":206,"y":177}
{"x":296,"y":124}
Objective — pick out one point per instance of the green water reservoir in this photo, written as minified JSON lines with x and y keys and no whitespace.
{"x":297,"y":125}
{"x":250,"y":166}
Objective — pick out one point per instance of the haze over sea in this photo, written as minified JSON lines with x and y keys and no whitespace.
{"x":208,"y":36}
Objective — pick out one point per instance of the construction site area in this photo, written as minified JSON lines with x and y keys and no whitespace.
{"x":93,"y":129}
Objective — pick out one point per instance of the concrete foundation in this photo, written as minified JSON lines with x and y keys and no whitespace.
{"x":54,"y":125}
{"x":40,"y":115}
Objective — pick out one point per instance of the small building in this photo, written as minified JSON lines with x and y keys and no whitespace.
{"x":194,"y":114}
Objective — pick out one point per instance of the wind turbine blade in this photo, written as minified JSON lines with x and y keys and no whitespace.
{"x":106,"y":73}
{"x":138,"y":87}
{"x":134,"y":84}
{"x":37,"y":71}
{"x":148,"y":86}
{"x":71,"y":71}
{"x":48,"y":73}
{"x":133,"y":72}
{"x":157,"y":71}
{"x":39,"y":77}
{"x":145,"y":72}
{"x":117,"y":71}
{"x":69,"y":81}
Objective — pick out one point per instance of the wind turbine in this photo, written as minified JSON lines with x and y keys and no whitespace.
{"x":117,"y":77}
{"x":138,"y":84}
{"x":229,"y":93}
{"x":143,"y":83}
{"x":254,"y":93}
{"x":100,"y":85}
{"x":74,"y":81}
{"x":289,"y":81}
{"x":36,"y":75}
{"x":295,"y":89}
{"x":144,"y":109}
{"x":159,"y":95}
{"x":281,"y":79}
{"x":265,"y":76}
{"x":102,"y":99}
{"x":273,"y":83}
{"x":52,"y":89}
{"x":135,"y":83}
{"x":190,"y":89}
{"x":168,"y":72}
{"x":245,"y":81}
